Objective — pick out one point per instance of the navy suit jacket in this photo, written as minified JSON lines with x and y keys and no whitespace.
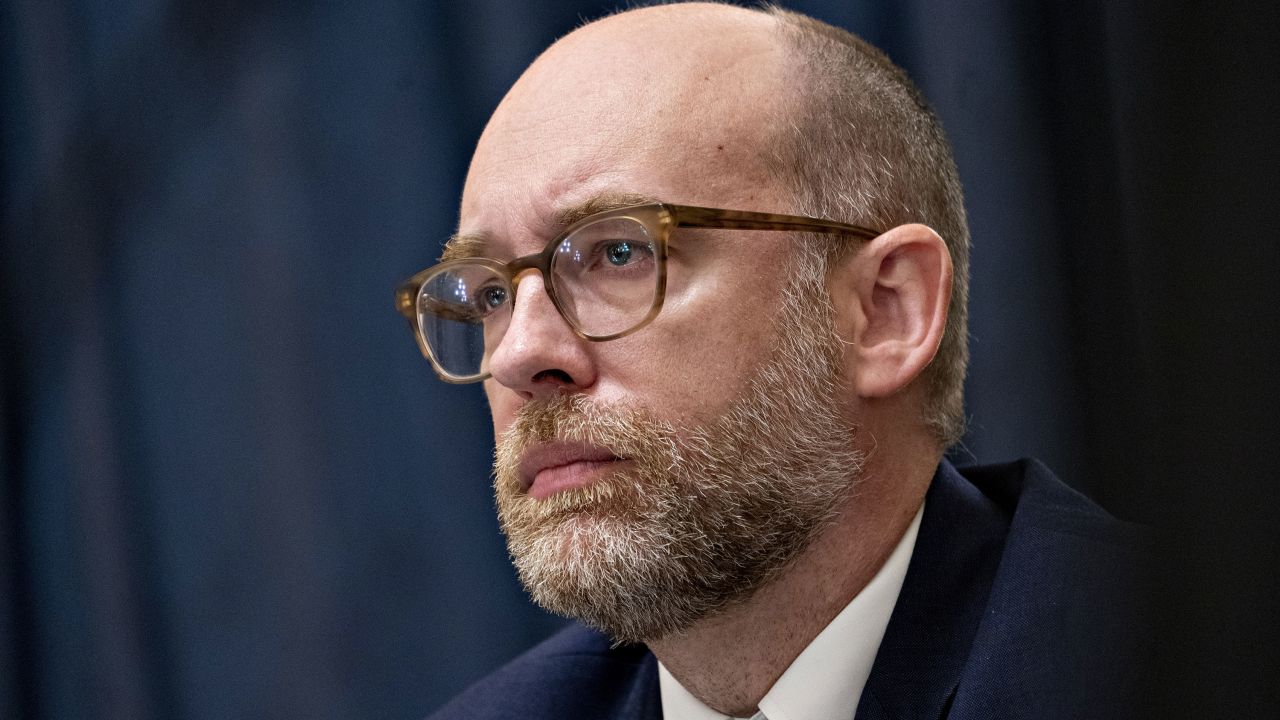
{"x":1023,"y":600}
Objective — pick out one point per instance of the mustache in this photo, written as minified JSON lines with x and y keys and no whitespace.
{"x":624,"y":430}
{"x":576,"y":418}
{"x":557,"y":417}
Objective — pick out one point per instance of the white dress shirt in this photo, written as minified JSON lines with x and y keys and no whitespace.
{"x":826,"y":679}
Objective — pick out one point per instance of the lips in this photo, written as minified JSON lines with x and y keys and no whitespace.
{"x":553,"y":467}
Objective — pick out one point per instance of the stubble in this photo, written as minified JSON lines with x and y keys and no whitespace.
{"x":699,"y":517}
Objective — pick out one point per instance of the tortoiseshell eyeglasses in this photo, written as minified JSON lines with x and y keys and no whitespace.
{"x":606,"y":275}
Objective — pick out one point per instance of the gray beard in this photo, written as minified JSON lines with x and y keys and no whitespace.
{"x":701,"y":517}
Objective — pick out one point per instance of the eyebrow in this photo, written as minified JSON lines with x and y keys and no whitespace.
{"x":601,"y":203}
{"x":465,"y":246}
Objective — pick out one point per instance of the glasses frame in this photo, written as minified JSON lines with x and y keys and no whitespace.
{"x":658,"y":218}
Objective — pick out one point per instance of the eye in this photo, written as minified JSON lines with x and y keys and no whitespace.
{"x":618,"y":253}
{"x":615,"y":249}
{"x":492,"y":297}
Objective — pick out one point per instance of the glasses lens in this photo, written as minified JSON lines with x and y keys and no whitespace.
{"x":458,"y":308}
{"x":606,"y":275}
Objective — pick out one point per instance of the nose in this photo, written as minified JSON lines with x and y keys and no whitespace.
{"x":540,"y":354}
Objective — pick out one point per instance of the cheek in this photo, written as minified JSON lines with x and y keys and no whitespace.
{"x":691,"y":362}
{"x":725,"y":322}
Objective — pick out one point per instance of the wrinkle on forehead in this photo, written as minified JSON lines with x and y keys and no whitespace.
{"x":689,"y":90}
{"x":468,"y":246}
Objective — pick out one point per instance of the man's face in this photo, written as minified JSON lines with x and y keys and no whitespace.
{"x":604,"y":113}
{"x":648,"y":481}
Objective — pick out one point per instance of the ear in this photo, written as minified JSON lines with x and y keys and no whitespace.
{"x":890,"y":299}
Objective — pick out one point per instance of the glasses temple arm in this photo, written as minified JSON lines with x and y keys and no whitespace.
{"x":698,"y":217}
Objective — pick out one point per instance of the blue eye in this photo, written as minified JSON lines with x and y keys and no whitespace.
{"x":493,"y":297}
{"x":618,"y":253}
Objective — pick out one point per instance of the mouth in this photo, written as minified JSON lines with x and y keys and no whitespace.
{"x":558,"y":466}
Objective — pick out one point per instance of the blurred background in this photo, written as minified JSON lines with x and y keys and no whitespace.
{"x":230,"y":487}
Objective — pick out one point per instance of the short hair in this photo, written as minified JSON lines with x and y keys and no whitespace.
{"x":860,"y":144}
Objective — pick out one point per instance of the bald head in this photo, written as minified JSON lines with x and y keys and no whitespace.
{"x":663,"y":85}
{"x":722,"y":106}
{"x":640,"y":65}
{"x":690,"y":37}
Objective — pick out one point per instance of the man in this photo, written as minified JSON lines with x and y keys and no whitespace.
{"x":712,"y":269}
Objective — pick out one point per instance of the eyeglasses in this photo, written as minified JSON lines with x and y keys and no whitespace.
{"x":606,"y":275}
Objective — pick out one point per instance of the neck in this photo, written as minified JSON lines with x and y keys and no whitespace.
{"x":729,"y":661}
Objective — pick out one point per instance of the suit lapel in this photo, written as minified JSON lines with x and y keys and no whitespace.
{"x":643,"y":699}
{"x":929,"y":636}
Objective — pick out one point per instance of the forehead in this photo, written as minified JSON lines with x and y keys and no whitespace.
{"x":632,"y":105}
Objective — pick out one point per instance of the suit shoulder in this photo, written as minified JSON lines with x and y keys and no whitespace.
{"x":575,"y":673}
{"x":1035,"y":500}
{"x":1072,"y":586}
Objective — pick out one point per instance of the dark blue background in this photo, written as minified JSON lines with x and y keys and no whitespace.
{"x":232,"y":487}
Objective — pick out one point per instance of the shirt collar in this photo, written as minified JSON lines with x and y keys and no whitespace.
{"x":827,"y":678}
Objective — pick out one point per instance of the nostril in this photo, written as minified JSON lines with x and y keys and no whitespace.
{"x":555,"y":375}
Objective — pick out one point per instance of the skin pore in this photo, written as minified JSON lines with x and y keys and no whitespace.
{"x":651,"y":102}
